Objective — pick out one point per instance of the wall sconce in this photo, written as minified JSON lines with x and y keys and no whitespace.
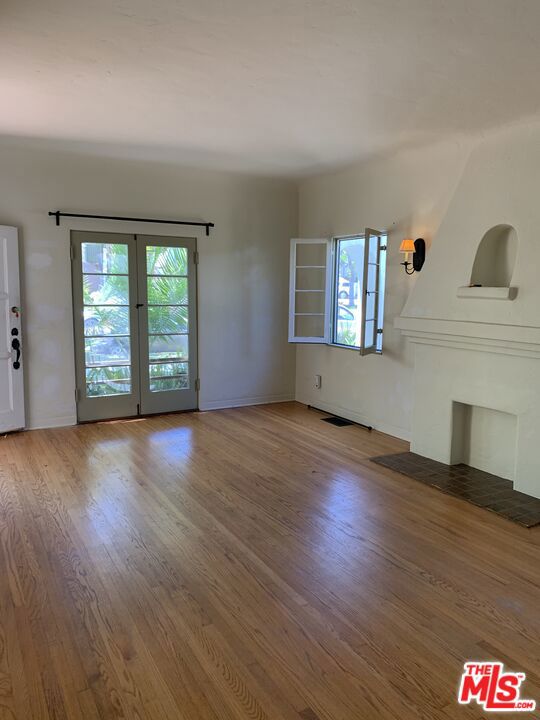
{"x":418,"y":250}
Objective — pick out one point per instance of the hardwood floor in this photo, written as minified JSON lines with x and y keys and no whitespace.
{"x":247,"y":563}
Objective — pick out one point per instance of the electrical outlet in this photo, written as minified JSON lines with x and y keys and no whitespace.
{"x":318,"y":381}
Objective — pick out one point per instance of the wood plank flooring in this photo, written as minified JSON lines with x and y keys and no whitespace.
{"x":247,"y":564}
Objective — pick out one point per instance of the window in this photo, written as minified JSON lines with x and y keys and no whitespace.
{"x":337,"y":291}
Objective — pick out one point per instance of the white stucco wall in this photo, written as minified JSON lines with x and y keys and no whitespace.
{"x":479,"y":352}
{"x":243,"y":273}
{"x":499,"y":186}
{"x":407,"y":194}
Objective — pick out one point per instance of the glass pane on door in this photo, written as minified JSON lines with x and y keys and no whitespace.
{"x":107,"y":341}
{"x":168,"y":317}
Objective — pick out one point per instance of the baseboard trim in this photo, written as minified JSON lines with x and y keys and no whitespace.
{"x":45,"y":423}
{"x":347,"y":413}
{"x":245,"y":402}
{"x":69,"y":420}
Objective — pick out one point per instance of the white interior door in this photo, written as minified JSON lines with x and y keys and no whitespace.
{"x":11,"y":367}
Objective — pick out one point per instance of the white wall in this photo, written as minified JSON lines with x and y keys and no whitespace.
{"x":243,"y":273}
{"x":499,"y":186}
{"x":478,"y":350}
{"x":407,"y":194}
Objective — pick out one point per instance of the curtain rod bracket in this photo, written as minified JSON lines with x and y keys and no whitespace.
{"x":58,"y":214}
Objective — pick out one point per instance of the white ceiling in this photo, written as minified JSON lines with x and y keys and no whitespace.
{"x":270,"y":86}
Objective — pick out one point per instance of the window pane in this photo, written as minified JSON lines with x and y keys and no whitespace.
{"x":310,"y":279}
{"x":158,"y":370}
{"x":107,"y":351}
{"x":168,"y":319}
{"x":167,"y":291}
{"x":111,"y":387}
{"x":347,"y":326}
{"x":166,"y":261}
{"x":104,"y":258}
{"x":309,"y":302}
{"x":371,"y":299}
{"x":350,"y":270}
{"x":112,"y":372}
{"x":106,"y":320}
{"x":164,"y":384}
{"x":309,"y":326}
{"x":164,"y":347}
{"x":105,"y":290}
{"x":370,"y":336}
{"x":111,"y":380}
{"x":349,"y":277}
{"x":311,"y":254}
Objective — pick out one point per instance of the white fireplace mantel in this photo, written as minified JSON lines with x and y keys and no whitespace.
{"x":493,"y":367}
{"x":467,"y":335}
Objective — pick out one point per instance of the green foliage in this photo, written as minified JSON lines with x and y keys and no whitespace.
{"x":346,"y":336}
{"x":166,"y":261}
{"x":106,"y":312}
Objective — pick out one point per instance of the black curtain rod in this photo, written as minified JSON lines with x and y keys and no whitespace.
{"x":58,"y":214}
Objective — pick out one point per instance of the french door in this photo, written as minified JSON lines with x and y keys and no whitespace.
{"x":134,"y":300}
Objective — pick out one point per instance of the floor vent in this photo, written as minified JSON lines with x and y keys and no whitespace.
{"x":337,"y":421}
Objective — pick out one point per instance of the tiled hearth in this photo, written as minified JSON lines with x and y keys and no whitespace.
{"x":476,"y":486}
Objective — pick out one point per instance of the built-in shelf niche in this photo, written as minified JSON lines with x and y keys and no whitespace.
{"x":493,"y":267}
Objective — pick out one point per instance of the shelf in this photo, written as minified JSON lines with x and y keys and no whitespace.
{"x":487,"y":293}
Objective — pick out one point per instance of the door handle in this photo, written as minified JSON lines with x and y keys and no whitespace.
{"x":16,"y":345}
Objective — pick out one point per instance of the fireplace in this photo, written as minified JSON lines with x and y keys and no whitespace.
{"x":485,"y":439}
{"x":472,"y":392}
{"x":473,"y":317}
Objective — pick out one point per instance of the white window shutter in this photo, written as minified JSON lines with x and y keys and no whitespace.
{"x":310,"y":290}
{"x":370,"y":291}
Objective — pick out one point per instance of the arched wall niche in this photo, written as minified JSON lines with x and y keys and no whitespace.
{"x":496,"y":257}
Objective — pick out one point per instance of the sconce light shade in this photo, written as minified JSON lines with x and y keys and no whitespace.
{"x":407,"y":246}
{"x":418,"y":249}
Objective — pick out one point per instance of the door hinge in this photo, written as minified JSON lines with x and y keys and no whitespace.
{"x":383,"y":247}
{"x":379,"y":331}
{"x":196,"y":257}
{"x":197,"y":384}
{"x":71,"y":252}
{"x":77,"y":395}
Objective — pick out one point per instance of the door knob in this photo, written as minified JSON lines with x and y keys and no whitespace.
{"x":16,"y":345}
